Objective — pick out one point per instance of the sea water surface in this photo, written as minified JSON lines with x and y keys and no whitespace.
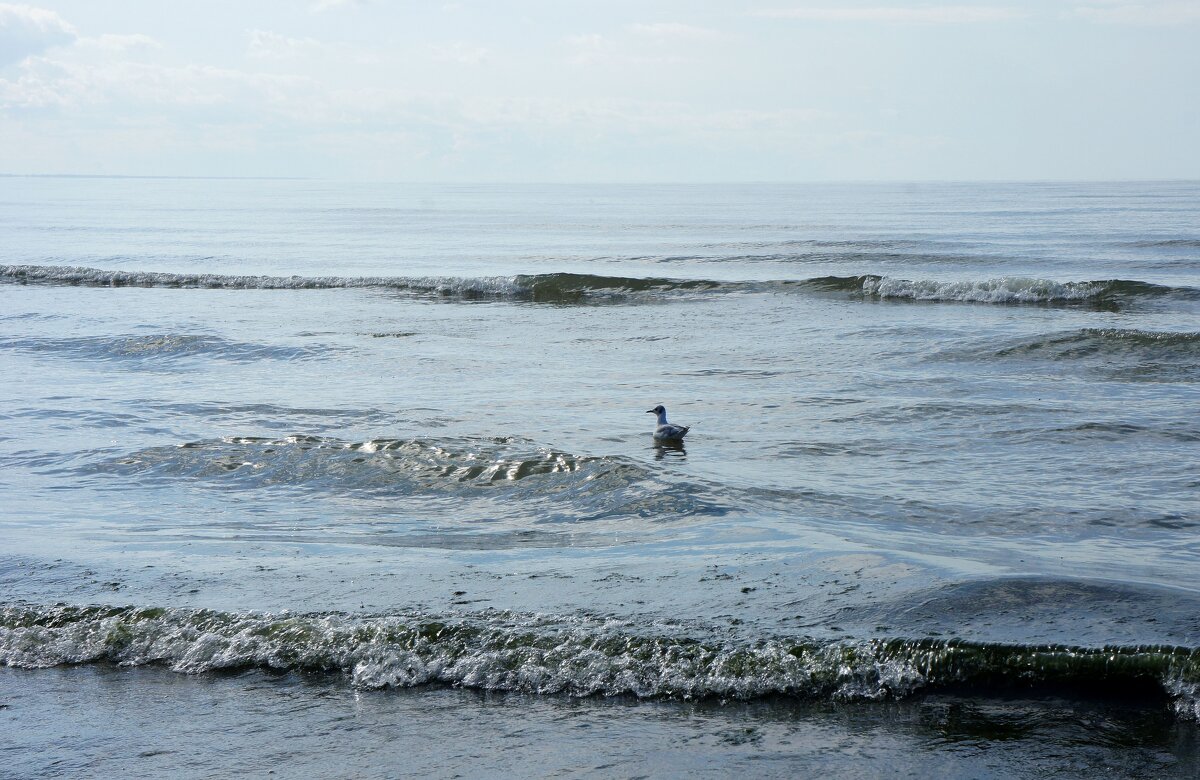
{"x":356,"y":480}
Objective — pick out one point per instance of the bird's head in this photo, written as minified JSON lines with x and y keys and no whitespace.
{"x":656,"y":410}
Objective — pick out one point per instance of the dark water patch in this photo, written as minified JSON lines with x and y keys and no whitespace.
{"x":274,"y":416}
{"x":863,"y":448}
{"x":1178,"y":432}
{"x":1114,"y":353}
{"x":734,"y":373}
{"x":1090,"y":342}
{"x":79,"y":416}
{"x":575,"y":288}
{"x":539,"y":484}
{"x":1117,"y":353}
{"x":1164,"y":243}
{"x":923,"y":412}
{"x":164,"y":348}
{"x":577,"y":656}
{"x":1044,"y":610}
{"x":161,"y":725}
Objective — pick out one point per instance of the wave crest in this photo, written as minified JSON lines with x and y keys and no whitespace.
{"x":500,"y":470}
{"x":574,"y":288}
{"x":576,"y":656}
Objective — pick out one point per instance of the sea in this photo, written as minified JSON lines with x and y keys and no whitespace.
{"x":305,"y":478}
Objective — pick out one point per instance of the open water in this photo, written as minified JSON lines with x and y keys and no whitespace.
{"x":356,"y":480}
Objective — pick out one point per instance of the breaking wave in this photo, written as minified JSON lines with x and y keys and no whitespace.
{"x":539,"y":288}
{"x":568,"y":288}
{"x":506,"y":474}
{"x":576,"y":656}
{"x":1022,"y":290}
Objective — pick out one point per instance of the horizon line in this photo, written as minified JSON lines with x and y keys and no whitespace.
{"x":614,"y":182}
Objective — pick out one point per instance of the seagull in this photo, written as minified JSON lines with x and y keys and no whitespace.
{"x":665,"y":431}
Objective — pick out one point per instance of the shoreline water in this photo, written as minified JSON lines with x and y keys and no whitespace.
{"x":291,"y":447}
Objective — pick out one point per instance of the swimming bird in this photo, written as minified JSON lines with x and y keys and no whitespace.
{"x":665,"y":431}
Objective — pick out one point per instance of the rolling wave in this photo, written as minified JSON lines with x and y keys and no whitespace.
{"x":568,"y":288}
{"x":541,"y":288}
{"x":583,"y":288}
{"x":1109,"y":341}
{"x":1023,"y":290}
{"x":1125,"y":354}
{"x":576,"y":656}
{"x":510,"y":474}
{"x":158,"y":348}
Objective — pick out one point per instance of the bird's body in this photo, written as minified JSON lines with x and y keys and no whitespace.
{"x":665,"y":431}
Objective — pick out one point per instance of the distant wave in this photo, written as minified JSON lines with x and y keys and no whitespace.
{"x":1125,"y":354}
{"x":576,"y":656}
{"x":1166,"y":243}
{"x":569,"y":288}
{"x":550,"y":288}
{"x":161,"y":348}
{"x":1108,"y":341}
{"x":1017,"y":290}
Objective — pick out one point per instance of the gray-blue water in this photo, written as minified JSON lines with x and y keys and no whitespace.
{"x":357,"y":480}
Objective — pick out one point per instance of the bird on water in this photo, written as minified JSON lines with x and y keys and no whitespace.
{"x":665,"y":430}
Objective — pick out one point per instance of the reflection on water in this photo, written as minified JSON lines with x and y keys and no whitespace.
{"x":156,"y":723}
{"x":670,"y":449}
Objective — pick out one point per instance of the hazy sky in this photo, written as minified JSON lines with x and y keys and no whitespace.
{"x":591,"y":90}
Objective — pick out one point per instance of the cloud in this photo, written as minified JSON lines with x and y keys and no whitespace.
{"x":944,"y":14}
{"x":266,"y":45}
{"x":25,"y":30}
{"x":319,"y":6}
{"x":1144,"y":14}
{"x":87,"y":77}
{"x":119,"y":44}
{"x":674,"y":30}
{"x":590,"y":48}
{"x":459,"y":52}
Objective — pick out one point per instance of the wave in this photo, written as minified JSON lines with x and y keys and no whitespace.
{"x":145,"y":350}
{"x":540,"y":288}
{"x":1117,"y":353}
{"x":1087,"y":342}
{"x":1165,"y":243}
{"x":1016,"y":290}
{"x":510,"y":475}
{"x":568,"y":288}
{"x":577,"y":656}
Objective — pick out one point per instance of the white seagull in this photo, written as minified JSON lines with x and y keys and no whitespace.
{"x":665,"y":431}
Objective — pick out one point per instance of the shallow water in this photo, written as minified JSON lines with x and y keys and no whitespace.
{"x":392,"y":439}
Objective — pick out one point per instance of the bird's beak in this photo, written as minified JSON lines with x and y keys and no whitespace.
{"x":649,"y":411}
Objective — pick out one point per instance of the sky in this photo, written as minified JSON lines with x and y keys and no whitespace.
{"x":603,"y":91}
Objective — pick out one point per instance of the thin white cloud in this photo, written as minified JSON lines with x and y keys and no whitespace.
{"x":318,"y":6}
{"x":25,"y":30}
{"x":119,"y":43}
{"x":590,"y":48}
{"x":1142,"y":14}
{"x":943,"y":14}
{"x":459,"y":52}
{"x":674,"y":30}
{"x":268,"y":45}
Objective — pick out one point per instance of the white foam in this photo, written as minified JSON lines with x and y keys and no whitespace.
{"x":1003,"y":290}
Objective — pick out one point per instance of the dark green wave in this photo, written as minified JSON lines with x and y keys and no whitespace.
{"x":576,"y":656}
